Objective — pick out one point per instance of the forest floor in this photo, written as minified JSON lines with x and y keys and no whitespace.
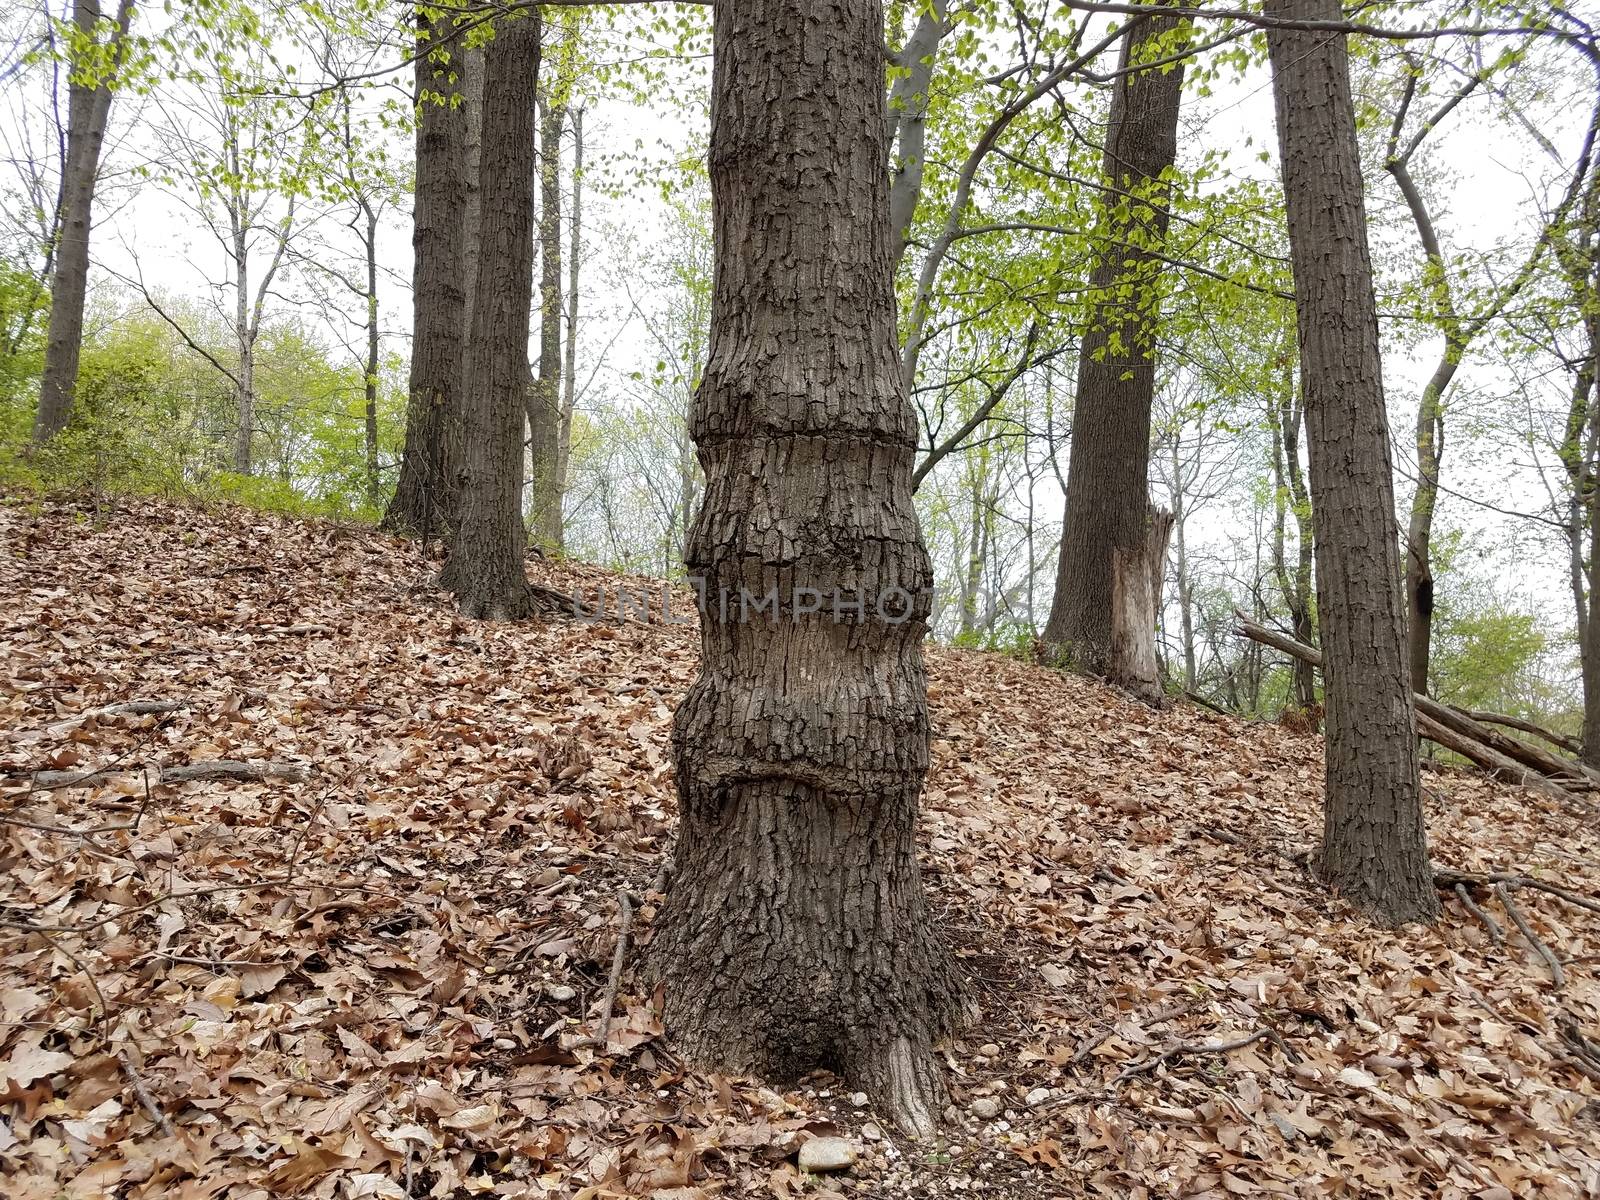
{"x":376,"y":981}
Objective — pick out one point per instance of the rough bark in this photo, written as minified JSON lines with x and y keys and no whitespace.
{"x":485,"y":568}
{"x":426,"y":493}
{"x":796,"y":935}
{"x":88,"y":113}
{"x":544,"y":398}
{"x":1108,"y":495}
{"x":1374,"y":847}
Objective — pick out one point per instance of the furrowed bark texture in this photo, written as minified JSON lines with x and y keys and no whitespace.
{"x":425,"y":496}
{"x":88,"y":113}
{"x":1094,"y":626}
{"x":796,"y":935}
{"x":485,"y":567}
{"x":1374,"y":845}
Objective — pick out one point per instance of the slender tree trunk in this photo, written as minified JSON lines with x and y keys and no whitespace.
{"x":569,"y":371}
{"x":374,"y":482}
{"x":1374,"y":847}
{"x":544,"y":399}
{"x":1288,"y":419}
{"x":425,"y":498}
{"x":796,"y":934}
{"x":88,"y":113}
{"x":1180,"y":516}
{"x":485,"y":568}
{"x":245,"y":387}
{"x":1102,"y":620}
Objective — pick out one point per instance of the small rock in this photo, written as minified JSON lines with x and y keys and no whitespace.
{"x":1038,"y":1096}
{"x":505,"y":1043}
{"x":560,"y":993}
{"x":824,"y":1154}
{"x":989,"y":1050}
{"x":986,"y":1108}
{"x":871,"y":1132}
{"x":858,"y":1099}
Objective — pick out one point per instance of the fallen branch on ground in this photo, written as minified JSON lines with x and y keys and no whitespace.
{"x":1187,"y":1049}
{"x":223,"y":768}
{"x":1501,"y":755}
{"x":618,"y":958}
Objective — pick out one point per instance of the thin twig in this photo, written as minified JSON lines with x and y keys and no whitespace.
{"x":1496,"y":934}
{"x":618,"y":957}
{"x":145,"y":1098}
{"x":1189,"y":1048}
{"x":1557,"y":975}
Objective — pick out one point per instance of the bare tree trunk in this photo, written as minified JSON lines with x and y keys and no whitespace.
{"x":569,"y":371}
{"x":1288,"y":418}
{"x":1104,"y":545}
{"x":544,"y":398}
{"x":245,"y":378}
{"x":88,"y":113}
{"x":374,"y":483}
{"x":908,"y":116}
{"x":426,"y":493}
{"x":485,"y":567}
{"x":1374,"y":846}
{"x":796,"y":934}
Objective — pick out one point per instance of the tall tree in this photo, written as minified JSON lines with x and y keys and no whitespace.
{"x":426,"y":494}
{"x":1374,"y":847}
{"x":485,"y":566}
{"x":93,"y":68}
{"x":1103,"y":618}
{"x":544,"y":399}
{"x":796,"y":934}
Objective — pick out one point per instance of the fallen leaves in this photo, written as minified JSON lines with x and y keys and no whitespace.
{"x":385,"y":979}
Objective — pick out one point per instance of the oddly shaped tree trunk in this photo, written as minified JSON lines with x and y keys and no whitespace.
{"x":485,"y":566}
{"x":1107,"y":528}
{"x":426,"y":492}
{"x":1374,"y":847}
{"x":88,"y":113}
{"x":796,"y":935}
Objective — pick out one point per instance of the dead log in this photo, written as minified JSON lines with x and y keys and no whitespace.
{"x":1495,"y":764}
{"x":1503,"y":756}
{"x":1570,"y":745}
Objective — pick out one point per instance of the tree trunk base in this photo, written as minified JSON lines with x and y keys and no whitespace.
{"x":794,"y":941}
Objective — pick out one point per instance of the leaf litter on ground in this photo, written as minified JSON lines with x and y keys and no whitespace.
{"x":380,"y":968}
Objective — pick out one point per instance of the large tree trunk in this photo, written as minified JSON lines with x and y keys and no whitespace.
{"x":485,"y":567}
{"x":426,"y":493}
{"x":544,"y":399}
{"x":796,"y":935}
{"x":1374,"y":847}
{"x":1105,"y":539}
{"x":88,"y":113}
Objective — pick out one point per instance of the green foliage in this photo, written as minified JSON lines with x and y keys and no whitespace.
{"x":152,"y":416}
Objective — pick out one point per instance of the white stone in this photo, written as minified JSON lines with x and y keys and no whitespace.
{"x":986,"y":1108}
{"x":858,"y":1099}
{"x":1038,"y":1096}
{"x":560,"y":993}
{"x":989,"y":1050}
{"x":824,"y":1154}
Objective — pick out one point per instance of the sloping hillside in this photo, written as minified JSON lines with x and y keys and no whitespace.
{"x":378,"y":980}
